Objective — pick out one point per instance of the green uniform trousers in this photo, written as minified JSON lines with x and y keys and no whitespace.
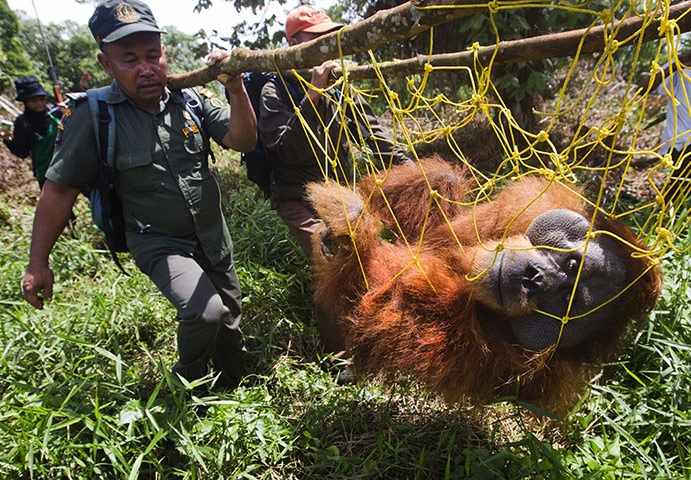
{"x":207,"y":298}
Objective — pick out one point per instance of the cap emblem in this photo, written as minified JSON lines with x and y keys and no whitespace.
{"x":126,"y":13}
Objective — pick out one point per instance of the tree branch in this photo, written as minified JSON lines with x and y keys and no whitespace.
{"x":412,"y":18}
{"x":404,"y":21}
{"x":563,"y":44}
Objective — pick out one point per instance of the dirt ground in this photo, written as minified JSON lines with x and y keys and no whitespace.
{"x":16,"y":177}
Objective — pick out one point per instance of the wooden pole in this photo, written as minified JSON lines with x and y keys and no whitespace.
{"x":404,"y":21}
{"x":563,"y":44}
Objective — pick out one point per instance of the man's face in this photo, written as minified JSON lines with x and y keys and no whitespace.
{"x":139,"y":66}
{"x":36,"y":104}
{"x":302,"y":37}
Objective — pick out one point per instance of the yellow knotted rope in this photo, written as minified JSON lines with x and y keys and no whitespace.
{"x":525,"y":152}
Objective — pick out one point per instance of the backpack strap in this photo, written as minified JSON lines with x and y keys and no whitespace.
{"x":101,"y":115}
{"x":108,"y":212}
{"x":286,"y":94}
{"x":194,"y":108}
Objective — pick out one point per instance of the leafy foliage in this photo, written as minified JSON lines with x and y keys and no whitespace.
{"x":12,"y":60}
{"x":267,"y":31}
{"x":74,"y":53}
{"x":72,"y":50}
{"x":184,"y":52}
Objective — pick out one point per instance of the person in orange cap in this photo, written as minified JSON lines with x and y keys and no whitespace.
{"x":308,"y":22}
{"x":301,"y":158}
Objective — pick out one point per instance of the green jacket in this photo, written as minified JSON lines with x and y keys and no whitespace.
{"x":169,"y":196}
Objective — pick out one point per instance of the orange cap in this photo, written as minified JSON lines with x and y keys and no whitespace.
{"x":310,"y":19}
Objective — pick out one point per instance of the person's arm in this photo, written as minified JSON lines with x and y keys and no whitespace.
{"x":22,"y":138}
{"x":242,"y":127}
{"x":685,"y":61}
{"x":52,"y":212}
{"x":280,"y":126}
{"x":378,"y":138}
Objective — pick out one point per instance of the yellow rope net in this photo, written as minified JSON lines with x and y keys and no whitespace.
{"x":534,"y":152}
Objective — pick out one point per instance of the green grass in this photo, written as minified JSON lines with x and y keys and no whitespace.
{"x":85,"y":389}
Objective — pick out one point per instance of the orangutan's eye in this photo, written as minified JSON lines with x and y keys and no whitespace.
{"x":572,"y":265}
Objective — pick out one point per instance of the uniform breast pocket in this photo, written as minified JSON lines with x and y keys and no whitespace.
{"x":194,"y":143}
{"x":136,"y":172}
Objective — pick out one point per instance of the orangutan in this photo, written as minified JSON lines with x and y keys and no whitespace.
{"x":470,"y":298}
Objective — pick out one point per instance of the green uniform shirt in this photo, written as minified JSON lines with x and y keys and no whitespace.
{"x":162,"y":170}
{"x":282,"y":132}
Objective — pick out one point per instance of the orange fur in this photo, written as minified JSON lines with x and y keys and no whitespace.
{"x":425,"y":318}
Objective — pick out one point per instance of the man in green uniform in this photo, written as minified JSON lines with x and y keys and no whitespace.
{"x":174,"y":225}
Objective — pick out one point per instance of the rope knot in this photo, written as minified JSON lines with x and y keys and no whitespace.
{"x":620,"y":118}
{"x":667,"y":161}
{"x":612,"y":47}
{"x":664,"y":234}
{"x":379,"y":182}
{"x":606,"y":16}
{"x":667,"y":26}
{"x":493,"y":7}
{"x":542,"y":136}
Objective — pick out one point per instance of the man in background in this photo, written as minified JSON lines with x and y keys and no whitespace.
{"x":303,"y":158}
{"x":677,"y":131}
{"x":34,"y":130}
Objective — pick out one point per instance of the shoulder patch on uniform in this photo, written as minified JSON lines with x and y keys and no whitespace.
{"x":206,"y":92}
{"x":216,"y":102}
{"x":61,"y":129}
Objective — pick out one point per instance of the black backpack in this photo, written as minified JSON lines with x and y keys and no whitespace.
{"x":106,"y":206}
{"x":260,"y":161}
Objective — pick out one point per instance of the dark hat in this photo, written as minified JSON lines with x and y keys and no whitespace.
{"x":28,"y":86}
{"x":116,"y":19}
